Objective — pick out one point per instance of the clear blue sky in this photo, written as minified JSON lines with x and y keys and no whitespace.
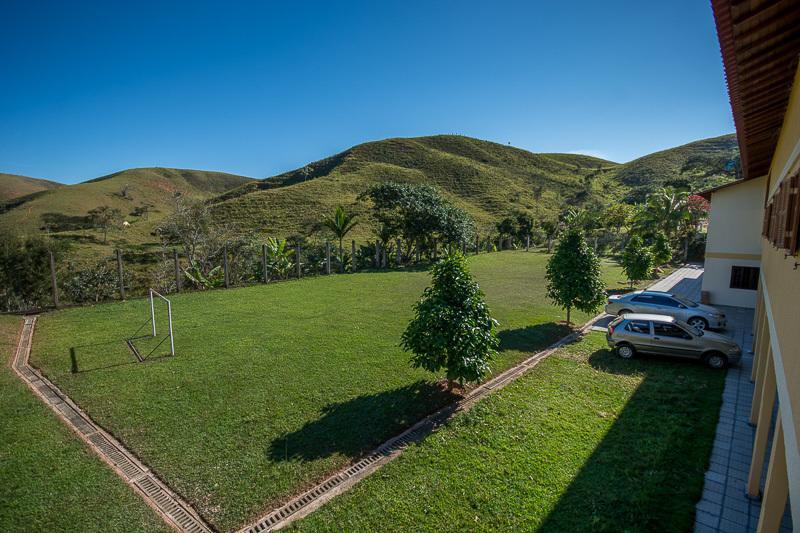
{"x":260,"y":88}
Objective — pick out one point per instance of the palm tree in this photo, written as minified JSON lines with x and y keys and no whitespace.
{"x":340,"y":225}
{"x":664,"y":211}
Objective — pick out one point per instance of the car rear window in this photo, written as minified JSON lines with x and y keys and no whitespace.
{"x":638,"y":326}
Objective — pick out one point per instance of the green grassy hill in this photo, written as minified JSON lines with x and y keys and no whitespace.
{"x":697,"y":165}
{"x":62,"y":211}
{"x":13,"y":186}
{"x":486,"y":179}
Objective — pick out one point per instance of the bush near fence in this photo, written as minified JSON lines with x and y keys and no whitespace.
{"x":130,"y":273}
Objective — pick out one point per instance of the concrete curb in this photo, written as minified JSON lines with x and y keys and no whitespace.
{"x":169,"y":506}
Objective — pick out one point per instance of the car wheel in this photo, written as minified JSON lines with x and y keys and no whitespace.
{"x":716,"y":360}
{"x":626,"y":351}
{"x":624,"y":312}
{"x":698,"y":323}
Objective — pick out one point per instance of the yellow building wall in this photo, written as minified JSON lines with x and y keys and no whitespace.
{"x":782,"y":283}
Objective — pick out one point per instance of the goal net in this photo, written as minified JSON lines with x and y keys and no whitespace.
{"x":160,"y":325}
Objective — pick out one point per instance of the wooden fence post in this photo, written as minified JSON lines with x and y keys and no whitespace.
{"x":353,"y":262}
{"x":120,"y":274}
{"x":264,"y":262}
{"x":53,"y":283}
{"x":399,"y":253}
{"x":177,"y":270}
{"x":297,"y":261}
{"x":327,"y":257}
{"x":225,"y":265}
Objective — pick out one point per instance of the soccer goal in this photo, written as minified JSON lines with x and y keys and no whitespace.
{"x":153,"y":296}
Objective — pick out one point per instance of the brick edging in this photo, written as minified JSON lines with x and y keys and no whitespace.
{"x":168,"y":505}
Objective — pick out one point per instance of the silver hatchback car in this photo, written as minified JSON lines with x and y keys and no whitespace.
{"x":697,"y":315}
{"x":665,"y":335}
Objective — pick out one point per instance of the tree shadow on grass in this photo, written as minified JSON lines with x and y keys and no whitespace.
{"x":647,"y":472}
{"x":355,"y":426}
{"x":532,"y":338}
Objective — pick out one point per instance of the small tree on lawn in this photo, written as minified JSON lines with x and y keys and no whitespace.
{"x":637,"y":260}
{"x":662,"y":252}
{"x":573,"y":275}
{"x":452,"y":328}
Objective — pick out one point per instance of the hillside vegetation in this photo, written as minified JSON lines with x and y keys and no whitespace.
{"x":698,"y":165}
{"x":486,"y":179}
{"x":62,"y":212}
{"x":13,"y":186}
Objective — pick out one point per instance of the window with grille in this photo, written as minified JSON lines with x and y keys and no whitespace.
{"x":744,"y":277}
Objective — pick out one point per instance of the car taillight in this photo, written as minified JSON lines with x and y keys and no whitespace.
{"x":609,"y":301}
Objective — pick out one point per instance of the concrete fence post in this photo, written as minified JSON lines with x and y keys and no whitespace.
{"x":297,"y":265}
{"x":353,"y":262}
{"x":327,"y":257}
{"x":177,"y":270}
{"x":399,"y":253}
{"x":53,"y":282}
{"x":264,"y":262}
{"x":120,"y":274}
{"x":225,"y":265}
{"x":527,"y":243}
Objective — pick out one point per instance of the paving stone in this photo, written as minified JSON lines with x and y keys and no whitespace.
{"x":708,"y":507}
{"x":727,"y":526}
{"x":706,"y":519}
{"x":700,"y":528}
{"x":735,"y":516}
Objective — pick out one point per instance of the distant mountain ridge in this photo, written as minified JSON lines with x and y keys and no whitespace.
{"x":14,"y":186}
{"x":486,"y":179}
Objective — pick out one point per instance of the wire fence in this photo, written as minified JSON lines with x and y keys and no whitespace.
{"x":130,"y":273}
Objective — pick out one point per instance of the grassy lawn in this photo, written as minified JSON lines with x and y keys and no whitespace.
{"x":584,"y":442}
{"x":49,"y":480}
{"x":275,"y":386}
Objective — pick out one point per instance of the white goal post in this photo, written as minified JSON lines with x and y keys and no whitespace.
{"x":169,"y":318}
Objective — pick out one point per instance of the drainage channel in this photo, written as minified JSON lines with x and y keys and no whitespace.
{"x":172,"y":509}
{"x":311,"y":500}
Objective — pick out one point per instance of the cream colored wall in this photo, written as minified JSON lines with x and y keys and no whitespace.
{"x":717,"y":280}
{"x":782,"y":283}
{"x":734,"y":238}
{"x":737,"y":213}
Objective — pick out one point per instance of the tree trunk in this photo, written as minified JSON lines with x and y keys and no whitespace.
{"x":568,"y":313}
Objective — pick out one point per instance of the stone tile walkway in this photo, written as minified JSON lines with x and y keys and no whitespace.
{"x":724,"y":506}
